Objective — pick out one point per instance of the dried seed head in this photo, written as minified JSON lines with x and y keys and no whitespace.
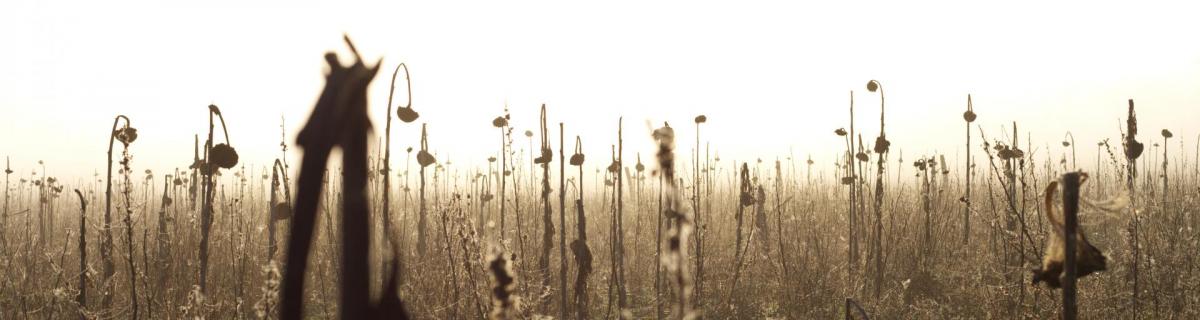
{"x":1066,"y":143}
{"x":178,"y":182}
{"x":491,"y":159}
{"x":499,"y":122}
{"x":882,"y":145}
{"x":528,"y":133}
{"x":847,"y":180}
{"x":969,"y":116}
{"x":872,"y":86}
{"x":701,"y":119}
{"x":424,"y":158}
{"x":577,"y":159}
{"x":126,"y":135}
{"x":407,"y":114}
{"x":614,"y":167}
{"x":1167,"y":134}
{"x":861,"y":157}
{"x":546,"y":156}
{"x":840,"y":132}
{"x":223,"y":156}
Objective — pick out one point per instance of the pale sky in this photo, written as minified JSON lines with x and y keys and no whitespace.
{"x":770,"y":76}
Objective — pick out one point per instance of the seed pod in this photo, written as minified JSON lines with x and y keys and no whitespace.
{"x":847,"y":180}
{"x":407,"y":114}
{"x":425,"y":159}
{"x":1167,"y":134}
{"x":872,"y":86}
{"x":528,"y":133}
{"x":701,"y":119}
{"x":1066,"y":143}
{"x":840,"y":132}
{"x":614,"y":167}
{"x":223,"y":156}
{"x":499,"y":122}
{"x":491,"y":159}
{"x":577,"y":159}
{"x":281,"y":211}
{"x":862,"y":157}
{"x":969,"y":116}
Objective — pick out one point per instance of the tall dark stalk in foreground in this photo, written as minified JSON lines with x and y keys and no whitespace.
{"x":126,"y":171}
{"x":280,"y":210}
{"x":502,"y":123}
{"x":969,"y":117}
{"x":215,"y":157}
{"x":1071,"y":183}
{"x":881,"y":150}
{"x":126,"y":135}
{"x":424,"y":159}
{"x":4,"y":220}
{"x":1166,"y":135}
{"x":579,"y":246}
{"x":81,"y":298}
{"x":164,"y":237}
{"x":339,"y":119}
{"x":387,"y":149}
{"x":696,"y":198}
{"x":854,"y":193}
{"x":680,"y":221}
{"x":547,"y":210}
{"x":562,"y":223}
{"x":620,"y":216}
{"x":1133,"y":150}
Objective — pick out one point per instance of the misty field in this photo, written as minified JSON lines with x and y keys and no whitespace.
{"x":544,"y":231}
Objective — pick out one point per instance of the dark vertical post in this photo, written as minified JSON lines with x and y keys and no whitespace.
{"x":1071,"y":182}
